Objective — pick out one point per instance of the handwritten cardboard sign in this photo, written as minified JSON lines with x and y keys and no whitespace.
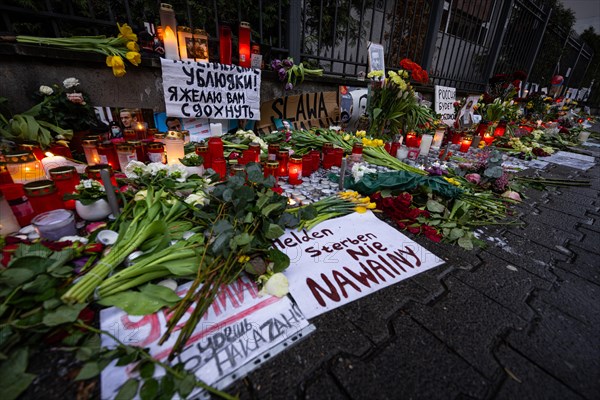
{"x":237,"y":327}
{"x":210,"y":90}
{"x":445,"y":97}
{"x":304,"y":111}
{"x":347,"y":258}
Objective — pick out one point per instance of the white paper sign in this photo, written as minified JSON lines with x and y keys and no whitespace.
{"x":347,"y":258}
{"x":210,"y":90}
{"x":445,"y":97}
{"x":572,"y":160}
{"x":237,"y":327}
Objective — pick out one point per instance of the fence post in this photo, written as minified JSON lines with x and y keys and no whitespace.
{"x":499,"y":32}
{"x":294,"y":30}
{"x":435,"y":18}
{"x":574,"y":66}
{"x":537,"y":49}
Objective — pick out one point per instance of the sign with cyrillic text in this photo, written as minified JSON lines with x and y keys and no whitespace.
{"x":238,"y":326}
{"x":344,"y":259}
{"x":445,"y":97}
{"x":210,"y":90}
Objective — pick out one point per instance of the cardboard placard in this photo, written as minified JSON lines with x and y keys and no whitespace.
{"x":445,"y":97}
{"x":344,"y":259}
{"x":210,"y":90}
{"x":238,"y":326}
{"x":302,"y":111}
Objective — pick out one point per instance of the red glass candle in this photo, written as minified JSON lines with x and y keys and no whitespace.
{"x":394,"y":148}
{"x":327,"y":147}
{"x":255,"y":147}
{"x":108,"y":154}
{"x":295,"y":170}
{"x":219,"y":165}
{"x":244,"y":44}
{"x":283,"y":157}
{"x":129,"y":134}
{"x":465,"y":144}
{"x":328,"y":160}
{"x":271,"y":168}
{"x":248,"y":156}
{"x":225,"y":44}
{"x":456,"y":137}
{"x":140,"y":151}
{"x":43,"y":196}
{"x":316,"y":159}
{"x":155,"y":152}
{"x":238,"y":169}
{"x":5,"y":177}
{"x":338,"y":156}
{"x":273,"y":149}
{"x":93,"y":172}
{"x":482,"y":128}
{"x":357,"y":148}
{"x":140,"y":131}
{"x":60,"y":150}
{"x":65,"y":179}
{"x":19,"y":203}
{"x":202,"y":151}
{"x":34,"y":147}
{"x":150,"y":132}
{"x":488,"y":138}
{"x":410,"y":139}
{"x":215,"y":147}
{"x":500,"y":129}
{"x":307,"y":165}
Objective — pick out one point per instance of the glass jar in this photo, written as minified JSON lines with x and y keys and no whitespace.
{"x":33,"y":147}
{"x":18,"y":202}
{"x":357,"y":148}
{"x":8,"y":221}
{"x":89,"y":149}
{"x":151,"y":133}
{"x":126,"y":154}
{"x":283,"y":157}
{"x":273,"y":149}
{"x":160,"y":137}
{"x":316,"y":158}
{"x":140,"y":152}
{"x":271,"y":168}
{"x":129,"y":134}
{"x":295,"y":170}
{"x":23,"y":166}
{"x":5,"y":177}
{"x":219,"y":165}
{"x":256,"y":148}
{"x":238,"y":169}
{"x":108,"y":154}
{"x":43,"y":196}
{"x":65,"y":179}
{"x":93,"y":172}
{"x":155,"y":152}
{"x":174,"y":147}
{"x":338,"y":156}
{"x":55,"y":224}
{"x":202,"y":151}
{"x":215,"y":147}
{"x":327,"y":147}
{"x":307,"y":164}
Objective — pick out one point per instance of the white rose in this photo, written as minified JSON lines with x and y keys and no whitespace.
{"x":70,"y":83}
{"x":178,"y":171}
{"x":46,"y":90}
{"x":277,"y":285}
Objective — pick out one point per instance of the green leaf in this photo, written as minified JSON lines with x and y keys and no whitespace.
{"x":288,"y":220}
{"x":228,"y":194}
{"x":128,"y":390}
{"x":147,"y":370}
{"x":63,"y":314}
{"x":138,"y":303}
{"x":249,"y":218}
{"x":308,"y":213}
{"x":274,"y":231}
{"x":435,"y":206}
{"x":13,"y":277}
{"x":13,"y":378}
{"x":89,"y":370}
{"x":149,"y":389}
{"x":89,"y":348}
{"x":160,"y":292}
{"x":255,"y":174}
{"x":221,"y":243}
{"x":280,"y":260}
{"x":187,"y":385}
{"x":167,"y":387}
{"x":271,"y":208}
{"x":456,"y":233}
{"x":263,"y":199}
{"x":40,"y":284}
{"x":466,"y":243}
{"x":448,"y":225}
{"x":242,"y":239}
{"x":222,"y":226}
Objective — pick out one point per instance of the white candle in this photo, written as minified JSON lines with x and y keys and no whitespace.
{"x":425,"y":144}
{"x":438,"y":138}
{"x":53,"y":161}
{"x":402,"y":153}
{"x":171,"y":49}
{"x":539,"y":123}
{"x":216,"y":130}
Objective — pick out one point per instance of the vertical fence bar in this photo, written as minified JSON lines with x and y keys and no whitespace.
{"x":435,"y":19}
{"x":537,"y":49}
{"x":260,"y":21}
{"x":500,"y":30}
{"x":294,"y":26}
{"x":334,"y":36}
{"x":360,"y":24}
{"x":574,"y":66}
{"x":389,"y":56}
{"x":347,"y":32}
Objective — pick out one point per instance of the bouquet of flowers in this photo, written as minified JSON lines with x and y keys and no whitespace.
{"x":293,"y":74}
{"x":87,"y":192}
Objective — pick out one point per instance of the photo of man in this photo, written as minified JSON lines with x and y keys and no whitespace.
{"x":376,"y":60}
{"x":173,"y":124}
{"x":128,"y":118}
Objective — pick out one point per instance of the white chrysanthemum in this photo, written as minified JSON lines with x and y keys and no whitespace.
{"x":46,"y":90}
{"x":135,"y":169}
{"x":70,"y":83}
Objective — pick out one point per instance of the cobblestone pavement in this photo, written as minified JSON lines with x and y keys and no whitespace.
{"x":519,"y":319}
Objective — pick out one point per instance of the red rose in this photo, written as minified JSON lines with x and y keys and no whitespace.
{"x":408,"y":64}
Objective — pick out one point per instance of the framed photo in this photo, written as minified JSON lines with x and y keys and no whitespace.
{"x":376,"y":57}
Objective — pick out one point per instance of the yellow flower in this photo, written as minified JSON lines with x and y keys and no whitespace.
{"x":361,"y":133}
{"x":126,"y":32}
{"x":379,"y":142}
{"x":118,"y":67}
{"x":364,"y":200}
{"x":375,"y":74}
{"x":349,"y":194}
{"x":371,"y":206}
{"x":134,"y":57}
{"x":360,"y":210}
{"x":346,"y":137}
{"x":243,"y":259}
{"x":452,"y":181}
{"x":133,"y":46}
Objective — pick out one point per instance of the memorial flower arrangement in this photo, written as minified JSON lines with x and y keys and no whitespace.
{"x":87,"y":192}
{"x":392,"y":103}
{"x":117,"y":50}
{"x":292,"y":74}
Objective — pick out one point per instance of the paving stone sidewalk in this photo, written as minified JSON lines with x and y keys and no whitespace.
{"x":519,"y":319}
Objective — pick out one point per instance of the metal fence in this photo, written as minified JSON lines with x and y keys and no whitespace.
{"x":461,"y":42}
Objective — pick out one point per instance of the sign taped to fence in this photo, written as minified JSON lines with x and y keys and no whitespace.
{"x":303,"y":111}
{"x":238,"y":326}
{"x":210,"y":90}
{"x":344,"y":259}
{"x":445,"y":97}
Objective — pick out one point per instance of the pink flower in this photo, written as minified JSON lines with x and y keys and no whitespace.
{"x":512,"y":195}
{"x":76,"y":98}
{"x":473,"y":178}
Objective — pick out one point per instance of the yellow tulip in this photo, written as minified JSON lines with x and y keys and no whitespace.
{"x":134,"y":57}
{"x":346,"y":137}
{"x":243,"y":259}
{"x":126,"y":32}
{"x":371,"y":206}
{"x":133,"y":46}
{"x":360,"y":210}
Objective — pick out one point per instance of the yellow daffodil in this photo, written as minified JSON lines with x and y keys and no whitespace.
{"x":371,"y":206}
{"x":375,"y":74}
{"x":133,"y":46}
{"x":134,"y":57}
{"x":360,"y":210}
{"x":126,"y":32}
{"x":452,"y":181}
{"x":118,"y":67}
{"x":243,"y":259}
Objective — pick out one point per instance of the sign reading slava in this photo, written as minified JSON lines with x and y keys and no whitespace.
{"x":344,"y":259}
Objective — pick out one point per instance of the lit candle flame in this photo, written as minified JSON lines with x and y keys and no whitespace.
{"x":48,"y":154}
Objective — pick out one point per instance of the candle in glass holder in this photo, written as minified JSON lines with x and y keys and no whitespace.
{"x":23,"y":167}
{"x":65,"y":179}
{"x":108,"y":154}
{"x":43,"y":196}
{"x":465,"y":144}
{"x":55,"y":224}
{"x":255,"y":147}
{"x":456,"y":137}
{"x":488,"y":138}
{"x":500,"y":129}
{"x":438,"y":138}
{"x":219,"y":165}
{"x":238,"y":169}
{"x":126,"y":154}
{"x":52,"y":161}
{"x":215,"y":147}
{"x":225,"y":44}
{"x":271,"y":168}
{"x":140,"y":130}
{"x":174,"y":147}
{"x":338,"y":156}
{"x":307,"y":164}
{"x":295,"y":170}
{"x":129,"y":134}
{"x":32,"y":146}
{"x":411,"y":138}
{"x":283,"y":157}
{"x":140,"y":149}
{"x":8,"y":221}
{"x":244,"y":44}
{"x":328,"y":160}
{"x":89,"y":148}
{"x":19,"y":203}
{"x":5,"y":177}
{"x":426,"y":141}
{"x":160,"y":137}
{"x":93,"y":172}
{"x":150,"y":132}
{"x":202,"y":151}
{"x":327,"y":147}
{"x":170,"y":44}
{"x":272,"y":151}
{"x":248,"y":156}
{"x":316,"y":157}
{"x":155,"y":152}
